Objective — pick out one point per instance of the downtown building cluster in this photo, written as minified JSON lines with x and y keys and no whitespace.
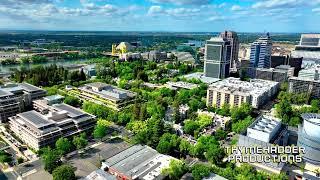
{"x":266,"y":74}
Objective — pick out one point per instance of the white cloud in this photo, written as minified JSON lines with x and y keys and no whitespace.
{"x":183,"y":2}
{"x":236,"y":8}
{"x":217,"y":18}
{"x":173,"y":12}
{"x":273,"y":4}
{"x":154,"y":10}
{"x":316,"y":10}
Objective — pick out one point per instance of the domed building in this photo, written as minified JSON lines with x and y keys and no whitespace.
{"x":309,"y":138}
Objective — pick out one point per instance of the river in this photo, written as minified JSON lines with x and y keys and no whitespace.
{"x":6,"y":68}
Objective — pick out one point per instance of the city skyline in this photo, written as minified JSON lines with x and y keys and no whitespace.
{"x":161,"y":15}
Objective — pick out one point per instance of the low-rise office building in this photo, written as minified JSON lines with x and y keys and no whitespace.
{"x":181,"y":85}
{"x":9,"y":105}
{"x":265,"y":132}
{"x":99,"y":174}
{"x":42,"y":105}
{"x":16,"y":98}
{"x":304,"y":85}
{"x":137,"y":162}
{"x":312,"y":72}
{"x":200,"y":76}
{"x":185,"y":57}
{"x":264,"y":128}
{"x":279,"y":74}
{"x":235,"y":92}
{"x":4,"y":56}
{"x":40,"y":129}
{"x":105,"y":94}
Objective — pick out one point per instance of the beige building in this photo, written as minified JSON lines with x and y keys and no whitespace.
{"x":40,"y":129}
{"x":235,"y":92}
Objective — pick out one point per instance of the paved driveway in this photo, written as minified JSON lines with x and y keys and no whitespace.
{"x":90,"y":160}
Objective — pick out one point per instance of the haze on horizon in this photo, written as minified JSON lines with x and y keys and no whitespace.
{"x":161,"y":15}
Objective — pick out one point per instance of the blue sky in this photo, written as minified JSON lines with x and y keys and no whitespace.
{"x":162,"y":15}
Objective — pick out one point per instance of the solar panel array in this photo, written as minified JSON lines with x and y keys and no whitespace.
{"x":34,"y":118}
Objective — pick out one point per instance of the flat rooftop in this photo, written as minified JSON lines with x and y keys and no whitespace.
{"x":304,"y":79}
{"x":108,"y":91}
{"x":5,"y":93}
{"x":213,"y":176}
{"x":53,"y":97}
{"x":307,"y":55}
{"x":35,"y":118}
{"x":200,"y":76}
{"x":235,"y":85}
{"x":312,"y":117}
{"x":29,"y":87}
{"x":99,"y":174}
{"x":182,"y":84}
{"x":139,"y":161}
{"x":265,"y":124}
{"x":73,"y":112}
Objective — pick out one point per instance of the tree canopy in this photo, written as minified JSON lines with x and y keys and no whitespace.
{"x":64,"y":172}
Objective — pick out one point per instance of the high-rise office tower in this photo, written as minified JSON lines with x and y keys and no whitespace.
{"x":234,"y":42}
{"x":260,"y":56}
{"x":217,"y":58}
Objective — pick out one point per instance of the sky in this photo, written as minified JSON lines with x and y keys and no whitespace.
{"x":161,"y":15}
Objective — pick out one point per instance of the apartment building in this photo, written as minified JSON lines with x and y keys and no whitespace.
{"x":17,"y":98}
{"x":40,"y":129}
{"x":105,"y":94}
{"x":235,"y":92}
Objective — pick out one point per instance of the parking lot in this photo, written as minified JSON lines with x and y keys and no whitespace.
{"x":90,"y":160}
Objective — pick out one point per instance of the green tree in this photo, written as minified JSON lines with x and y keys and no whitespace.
{"x":224,"y":110}
{"x":199,"y":171}
{"x":164,"y":147}
{"x":215,"y":154}
{"x":5,"y":157}
{"x":63,"y":145}
{"x":184,"y":146}
{"x":220,"y":134}
{"x":80,"y":142}
{"x":204,"y":121}
{"x":100,"y":132}
{"x":64,"y":172}
{"x":50,"y":158}
{"x":284,"y":110}
{"x":239,"y":113}
{"x":190,"y":127}
{"x":241,"y":125}
{"x":315,"y":105}
{"x":72,"y":101}
{"x":175,"y":170}
{"x":20,"y":160}
{"x":168,"y":142}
